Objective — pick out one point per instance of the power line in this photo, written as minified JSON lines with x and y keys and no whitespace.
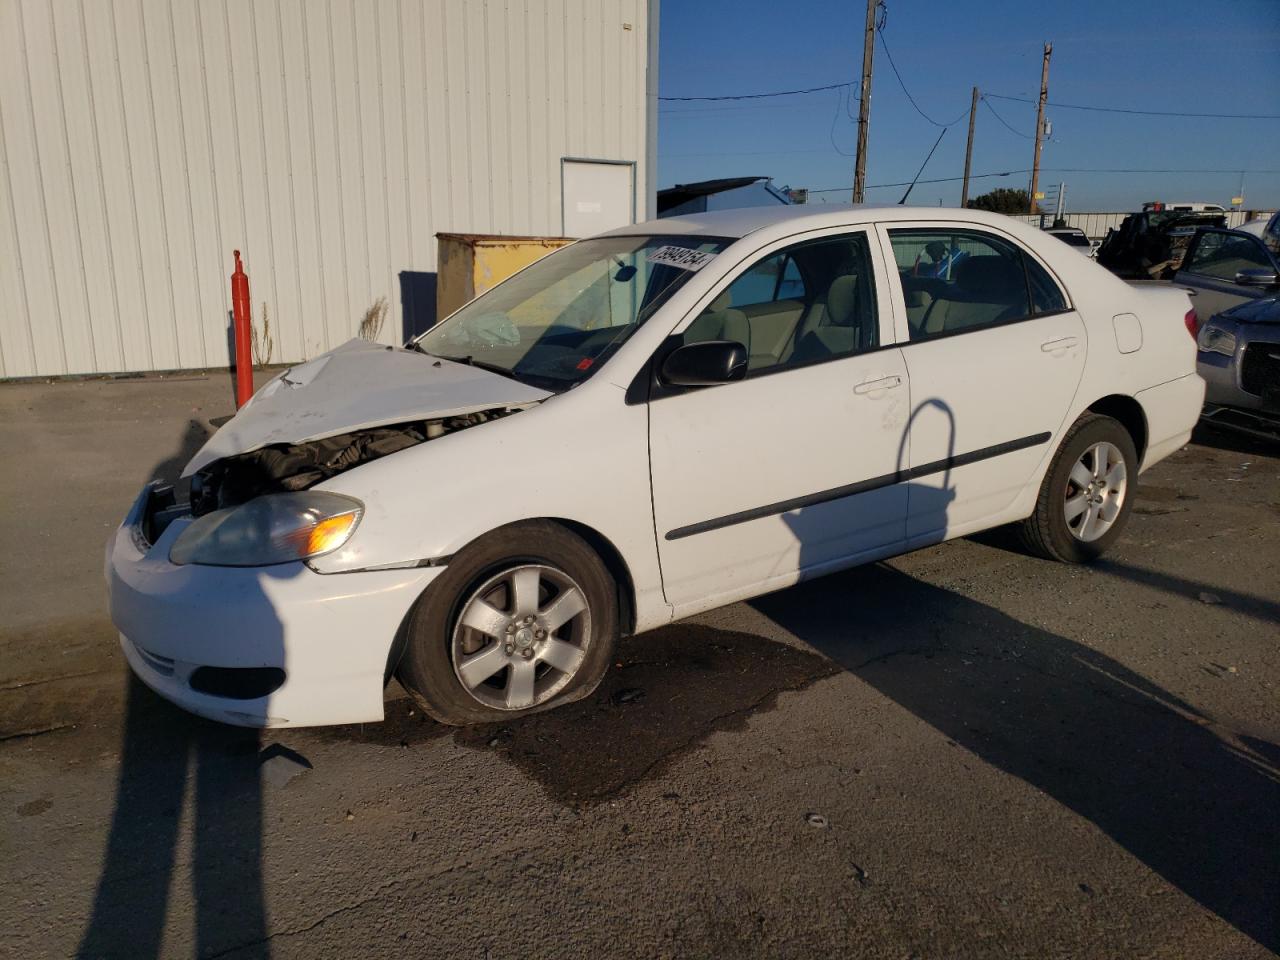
{"x":885,"y":47}
{"x":761,"y":96}
{"x":1010,"y":173}
{"x":665,"y":112}
{"x":907,"y":183}
{"x":1147,"y":113}
{"x":987,"y":103}
{"x":1133,"y":170}
{"x":1066,"y":106}
{"x":835,"y":118}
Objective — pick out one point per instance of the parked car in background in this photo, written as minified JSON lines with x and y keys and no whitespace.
{"x":1226,"y":268}
{"x":642,"y":426}
{"x":1075,"y":237}
{"x":1181,"y":206}
{"x":1239,"y":359}
{"x":1151,"y":245}
{"x":1266,"y":229}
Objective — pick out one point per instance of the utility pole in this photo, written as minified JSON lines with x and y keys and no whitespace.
{"x":968,"y":150}
{"x":1044,"y":95}
{"x":864,"y":108}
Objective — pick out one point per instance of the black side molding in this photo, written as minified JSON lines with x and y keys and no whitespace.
{"x":862,"y":486}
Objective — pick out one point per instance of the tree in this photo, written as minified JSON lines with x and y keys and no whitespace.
{"x":1003,"y":200}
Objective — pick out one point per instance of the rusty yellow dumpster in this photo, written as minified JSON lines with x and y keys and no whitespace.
{"x":470,"y":264}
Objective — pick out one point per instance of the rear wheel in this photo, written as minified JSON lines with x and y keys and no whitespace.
{"x":521,"y":621}
{"x":1087,"y":493}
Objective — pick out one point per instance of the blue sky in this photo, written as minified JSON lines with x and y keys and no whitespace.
{"x":1197,"y":56}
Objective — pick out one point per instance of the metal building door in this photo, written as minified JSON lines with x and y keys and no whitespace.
{"x":597,"y":195}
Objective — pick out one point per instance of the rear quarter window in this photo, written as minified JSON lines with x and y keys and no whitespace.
{"x":1046,"y":295}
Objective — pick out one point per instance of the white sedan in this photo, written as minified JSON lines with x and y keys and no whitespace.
{"x":642,"y":426}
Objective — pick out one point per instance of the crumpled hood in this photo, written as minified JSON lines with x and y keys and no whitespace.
{"x":356,"y":386}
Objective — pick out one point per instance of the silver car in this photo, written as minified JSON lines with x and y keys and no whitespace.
{"x":1239,"y":359}
{"x":1224,"y":268}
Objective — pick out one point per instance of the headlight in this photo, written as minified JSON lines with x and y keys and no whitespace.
{"x":275,"y":528}
{"x":1213,"y":339}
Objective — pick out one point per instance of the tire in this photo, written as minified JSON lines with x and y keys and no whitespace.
{"x":1057,"y":530}
{"x":479,"y":651}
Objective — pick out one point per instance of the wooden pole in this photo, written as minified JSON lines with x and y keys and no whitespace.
{"x":864,"y":108}
{"x":1044,"y":95}
{"x":968,"y":150}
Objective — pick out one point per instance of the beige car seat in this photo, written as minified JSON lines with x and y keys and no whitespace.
{"x":987,"y":290}
{"x":720,"y":322}
{"x":836,"y":327}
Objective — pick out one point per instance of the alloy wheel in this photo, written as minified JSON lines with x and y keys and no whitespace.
{"x":521,"y":636}
{"x":1096,"y":489}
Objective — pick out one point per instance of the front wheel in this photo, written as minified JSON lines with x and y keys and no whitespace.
{"x":1087,"y":493}
{"x":523,"y":620}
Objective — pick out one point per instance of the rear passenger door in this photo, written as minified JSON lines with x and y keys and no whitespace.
{"x":994,"y":352}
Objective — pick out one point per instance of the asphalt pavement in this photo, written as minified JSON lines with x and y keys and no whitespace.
{"x":965,"y":752}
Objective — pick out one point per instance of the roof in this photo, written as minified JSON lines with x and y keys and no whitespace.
{"x":797,"y":217}
{"x":684,"y":192}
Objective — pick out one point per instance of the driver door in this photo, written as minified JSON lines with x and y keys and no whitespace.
{"x":790,"y":471}
{"x":1212,"y":267}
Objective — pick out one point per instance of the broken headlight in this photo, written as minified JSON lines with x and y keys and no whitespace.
{"x":274,"y":528}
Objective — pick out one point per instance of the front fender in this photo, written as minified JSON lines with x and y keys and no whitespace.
{"x":581,"y":456}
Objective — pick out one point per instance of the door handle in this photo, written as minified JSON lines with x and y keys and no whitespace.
{"x":873,"y":386}
{"x":1060,"y":344}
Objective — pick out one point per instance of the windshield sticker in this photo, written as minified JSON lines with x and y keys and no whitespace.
{"x":681,"y":257}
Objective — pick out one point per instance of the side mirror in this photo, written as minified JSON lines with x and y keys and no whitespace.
{"x":1257,"y":277}
{"x":705,"y":364}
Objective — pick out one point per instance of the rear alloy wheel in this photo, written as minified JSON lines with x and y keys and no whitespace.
{"x":1096,"y":488}
{"x":523,"y":620}
{"x":1086,"y":495}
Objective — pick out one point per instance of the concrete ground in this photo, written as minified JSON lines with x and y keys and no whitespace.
{"x":962,"y":753}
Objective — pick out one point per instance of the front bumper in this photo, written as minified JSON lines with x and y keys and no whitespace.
{"x":1243,"y":390}
{"x":330,"y":634}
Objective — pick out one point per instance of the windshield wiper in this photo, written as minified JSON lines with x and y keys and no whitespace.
{"x":471,"y":361}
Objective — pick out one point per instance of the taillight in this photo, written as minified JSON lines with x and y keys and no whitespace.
{"x":1193,"y":324}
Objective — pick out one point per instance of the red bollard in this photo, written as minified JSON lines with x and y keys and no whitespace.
{"x":244,"y":349}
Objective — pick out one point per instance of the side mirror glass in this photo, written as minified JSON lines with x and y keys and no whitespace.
{"x":705,"y":364}
{"x":1257,"y":277}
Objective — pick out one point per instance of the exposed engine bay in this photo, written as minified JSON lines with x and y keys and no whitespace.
{"x":281,"y":468}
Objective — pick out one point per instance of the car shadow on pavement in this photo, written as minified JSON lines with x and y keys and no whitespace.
{"x":172,"y":761}
{"x":1197,"y":805}
{"x":667,"y":692}
{"x":1208,"y":434}
{"x":1258,"y":608}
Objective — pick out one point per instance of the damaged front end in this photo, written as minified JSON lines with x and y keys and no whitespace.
{"x":290,"y":467}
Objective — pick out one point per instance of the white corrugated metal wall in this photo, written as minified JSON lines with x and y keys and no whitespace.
{"x":328,"y":140}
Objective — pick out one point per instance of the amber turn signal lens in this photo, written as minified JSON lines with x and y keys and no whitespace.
{"x":329,"y":534}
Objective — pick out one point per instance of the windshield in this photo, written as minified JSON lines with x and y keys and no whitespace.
{"x":555,"y":323}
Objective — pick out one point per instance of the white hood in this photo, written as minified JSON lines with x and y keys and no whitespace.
{"x":356,"y":386}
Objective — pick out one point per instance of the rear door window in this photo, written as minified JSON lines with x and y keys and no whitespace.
{"x":956,"y":280}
